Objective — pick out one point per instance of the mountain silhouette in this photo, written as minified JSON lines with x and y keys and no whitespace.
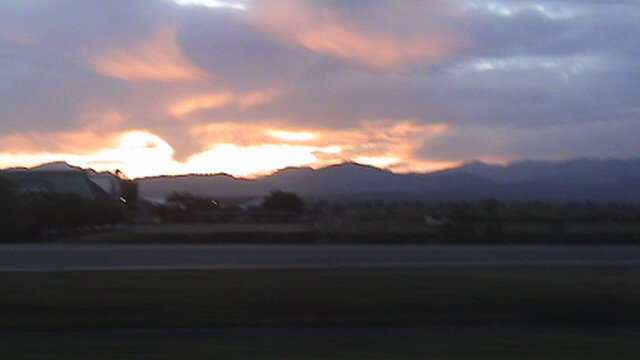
{"x":570,"y":181}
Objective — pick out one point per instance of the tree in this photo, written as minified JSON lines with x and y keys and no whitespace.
{"x":190,"y":202}
{"x":7,"y":203}
{"x":493,"y":221}
{"x":186,"y":207}
{"x":283,"y":201}
{"x":65,"y":211}
{"x":129,"y":192}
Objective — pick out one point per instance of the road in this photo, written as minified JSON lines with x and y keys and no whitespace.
{"x":50,"y":257}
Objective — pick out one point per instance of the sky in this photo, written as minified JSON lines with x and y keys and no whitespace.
{"x":246,"y":87}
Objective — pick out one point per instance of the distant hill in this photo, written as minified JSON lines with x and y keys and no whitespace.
{"x":571,"y":181}
{"x":576,"y":171}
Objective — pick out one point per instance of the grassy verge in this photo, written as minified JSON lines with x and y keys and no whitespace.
{"x":330,"y":343}
{"x":370,"y":234}
{"x":188,"y":299}
{"x":316,"y":314}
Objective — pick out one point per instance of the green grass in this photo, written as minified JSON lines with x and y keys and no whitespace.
{"x":369,"y":233}
{"x":150,"y":299}
{"x":330,"y":343}
{"x":384,"y":314}
{"x":296,"y":233}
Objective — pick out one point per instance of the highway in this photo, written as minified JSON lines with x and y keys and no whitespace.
{"x":66,"y":257}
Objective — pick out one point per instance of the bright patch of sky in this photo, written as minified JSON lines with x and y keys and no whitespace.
{"x":292,"y":135}
{"x":511,"y":9}
{"x":216,"y":4}
{"x":566,"y":66}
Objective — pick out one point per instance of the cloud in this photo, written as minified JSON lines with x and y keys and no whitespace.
{"x":14,"y":36}
{"x":192,"y":104}
{"x":554,"y":142}
{"x":61,"y":142}
{"x":443,"y":81}
{"x":229,"y":148}
{"x":325,"y":30}
{"x":156,"y":59}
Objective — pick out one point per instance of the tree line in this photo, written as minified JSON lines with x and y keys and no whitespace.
{"x":184,"y":207}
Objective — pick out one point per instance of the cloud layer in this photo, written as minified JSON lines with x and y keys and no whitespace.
{"x":408,"y":85}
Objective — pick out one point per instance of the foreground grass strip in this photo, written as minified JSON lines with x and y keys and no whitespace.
{"x":299,"y":234}
{"x":459,"y":342}
{"x":188,"y":299}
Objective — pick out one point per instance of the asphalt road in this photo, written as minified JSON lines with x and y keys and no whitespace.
{"x":36,"y":257}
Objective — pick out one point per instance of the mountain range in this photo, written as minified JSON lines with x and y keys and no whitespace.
{"x":578,"y":180}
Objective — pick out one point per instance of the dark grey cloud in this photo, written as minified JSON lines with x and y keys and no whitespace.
{"x":557,"y":142}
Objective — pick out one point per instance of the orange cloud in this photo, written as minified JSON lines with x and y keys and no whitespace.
{"x":102,"y":120}
{"x":65,"y":141}
{"x":256,"y":98}
{"x":157,"y":59}
{"x":384,"y":143}
{"x":321,"y":30}
{"x":192,"y":104}
{"x":375,"y":50}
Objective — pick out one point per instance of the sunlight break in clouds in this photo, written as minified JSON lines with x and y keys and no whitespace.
{"x":213,"y":4}
{"x":135,"y":152}
{"x":158,"y":59}
{"x":251,"y":160}
{"x":391,"y":144}
{"x":230,"y":148}
{"x":377,"y":161}
{"x":140,"y":153}
{"x":292,"y":135}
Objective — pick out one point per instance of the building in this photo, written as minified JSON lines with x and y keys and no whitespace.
{"x":62,"y":178}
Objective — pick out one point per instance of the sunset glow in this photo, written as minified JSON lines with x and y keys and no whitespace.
{"x":156,"y":59}
{"x":247,"y":87}
{"x":292,"y":135}
{"x":378,"y":161}
{"x":140,"y":153}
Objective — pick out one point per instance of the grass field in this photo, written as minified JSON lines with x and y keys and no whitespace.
{"x":141,"y":299}
{"x":371,"y":233}
{"x":321,"y":313}
{"x":329,"y":343}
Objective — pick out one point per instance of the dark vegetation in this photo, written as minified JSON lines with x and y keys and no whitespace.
{"x":192,"y":219}
{"x":40,"y":215}
{"x":182,"y":207}
{"x":283,"y":201}
{"x":29,"y":215}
